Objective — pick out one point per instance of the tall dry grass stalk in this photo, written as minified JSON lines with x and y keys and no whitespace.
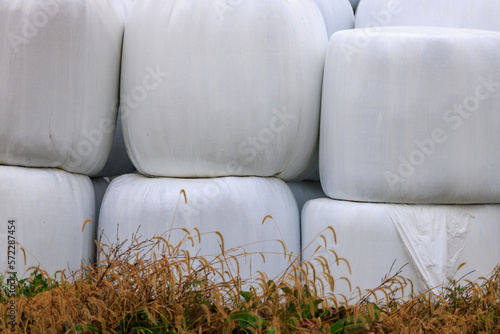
{"x":179,"y":293}
{"x":156,"y":286}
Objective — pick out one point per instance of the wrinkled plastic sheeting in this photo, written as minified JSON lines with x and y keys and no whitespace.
{"x":367,"y":237}
{"x":477,"y":14}
{"x":434,"y":238}
{"x":362,"y":251}
{"x":338,"y":15}
{"x":59,"y":82}
{"x":412,"y":116}
{"x":235,"y":207}
{"x":246,"y":100}
{"x":50,"y":208}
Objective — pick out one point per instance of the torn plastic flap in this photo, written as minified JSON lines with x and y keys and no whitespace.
{"x":433,"y":237}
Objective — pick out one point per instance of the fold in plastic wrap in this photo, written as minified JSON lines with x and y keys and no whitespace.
{"x":59,"y":82}
{"x":214,"y":89}
{"x":477,"y":14}
{"x":370,"y":237}
{"x":433,"y":237}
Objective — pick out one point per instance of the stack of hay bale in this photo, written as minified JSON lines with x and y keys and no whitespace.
{"x":59,"y":78}
{"x":220,"y":101}
{"x":410,"y":143}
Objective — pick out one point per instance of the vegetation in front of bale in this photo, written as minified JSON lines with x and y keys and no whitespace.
{"x":36,"y":283}
{"x":156,"y":286}
{"x":462,"y":307}
{"x":133,"y":290}
{"x":153,"y":286}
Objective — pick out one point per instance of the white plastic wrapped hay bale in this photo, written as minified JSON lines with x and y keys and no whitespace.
{"x":126,"y":5}
{"x":479,"y":14}
{"x":412,"y":116}
{"x":433,"y":239}
{"x":59,"y":81}
{"x":235,"y":207}
{"x":305,"y":191}
{"x":216,"y":89}
{"x":48,"y":208}
{"x":338,"y":15}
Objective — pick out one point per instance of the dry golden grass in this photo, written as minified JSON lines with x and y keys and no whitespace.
{"x":158,"y":287}
{"x":462,"y":307}
{"x":132,"y":290}
{"x":154,"y":286}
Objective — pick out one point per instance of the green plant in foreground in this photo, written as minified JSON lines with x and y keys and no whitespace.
{"x":28,"y":287}
{"x":302,"y":312}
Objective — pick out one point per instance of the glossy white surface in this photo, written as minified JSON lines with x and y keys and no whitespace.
{"x":50,"y":207}
{"x":338,"y":15}
{"x":412,"y":116}
{"x":477,"y":14}
{"x":433,"y":239}
{"x":236,"y":207}
{"x":59,"y":82}
{"x":210,"y":90}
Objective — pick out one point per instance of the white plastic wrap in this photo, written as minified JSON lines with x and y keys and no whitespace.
{"x":305,"y":191}
{"x":338,"y":15}
{"x":477,"y":14}
{"x":412,"y":116}
{"x":49,"y":207}
{"x":126,"y":6}
{"x":59,"y":79}
{"x":222,"y":88}
{"x":433,"y":239}
{"x":236,"y":207}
